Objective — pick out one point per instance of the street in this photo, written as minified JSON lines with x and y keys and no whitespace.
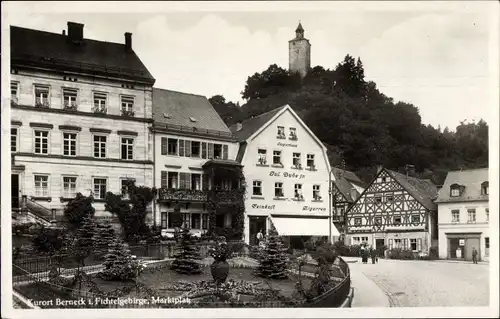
{"x":398,"y":283}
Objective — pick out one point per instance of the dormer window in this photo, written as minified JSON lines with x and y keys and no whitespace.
{"x":192,"y":119}
{"x":454,"y":190}
{"x":485,"y":188}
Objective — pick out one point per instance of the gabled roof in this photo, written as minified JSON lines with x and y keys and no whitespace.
{"x":345,"y":187}
{"x":179,"y":109}
{"x":252,"y":125}
{"x":471,"y":179}
{"x":423,"y":190}
{"x":41,"y":48}
{"x":350,"y":176}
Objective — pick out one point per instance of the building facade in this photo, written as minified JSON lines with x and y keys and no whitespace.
{"x":299,"y":53}
{"x":464,"y":215}
{"x":395,"y":211}
{"x":286,"y":172}
{"x":195,"y":166}
{"x":80,"y":119}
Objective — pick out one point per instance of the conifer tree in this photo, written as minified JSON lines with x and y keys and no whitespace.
{"x":119,"y":264}
{"x":104,"y":236}
{"x":81,"y":243}
{"x":274,"y":259}
{"x":186,"y":255}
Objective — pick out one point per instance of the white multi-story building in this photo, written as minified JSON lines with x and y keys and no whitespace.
{"x":286,"y":172}
{"x":195,"y":165}
{"x":80,"y":118}
{"x":463,"y":215}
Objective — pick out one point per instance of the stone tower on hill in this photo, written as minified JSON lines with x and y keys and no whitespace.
{"x":299,"y":53}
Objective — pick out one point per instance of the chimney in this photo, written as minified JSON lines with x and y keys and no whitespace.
{"x":354,"y":194}
{"x":239,"y":126}
{"x":64,"y":32}
{"x":75,"y":32}
{"x":128,"y":41}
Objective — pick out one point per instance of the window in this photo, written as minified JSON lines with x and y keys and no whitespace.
{"x":281,"y":132}
{"x":384,"y":179}
{"x":355,"y":240}
{"x":127,"y":148}
{"x":69,"y":98}
{"x":69,"y":144}
{"x":487,"y":242}
{"x":217,"y":151}
{"x":454,"y":191}
{"x":124,"y":187}
{"x":296,"y":160}
{"x":257,"y":188}
{"x":186,"y":219}
{"x":415,"y":219}
{"x":13,"y":139}
{"x":13,"y":92}
{"x":293,"y":134}
{"x":172,"y":180}
{"x":127,"y":105}
{"x":261,"y":156}
{"x":42,"y":96}
{"x":397,"y":243}
{"x":100,"y":100}
{"x":100,"y":146}
{"x":455,"y":216}
{"x":196,"y":221}
{"x":172,"y":147}
{"x":487,"y":214}
{"x":100,"y":188}
{"x":390,"y":198}
{"x":196,"y":181}
{"x":278,"y":190}
{"x":378,"y":199}
{"x":413,"y":244}
{"x":277,"y":158}
{"x":357,"y":221}
{"x":364,"y":239}
{"x":310,"y":161}
{"x":397,"y":220}
{"x":195,"y":149}
{"x":378,"y":221}
{"x":69,"y":186}
{"x":41,"y":186}
{"x":41,"y":142}
{"x":472,"y":215}
{"x":298,"y":191}
{"x":204,"y":221}
{"x":316,"y":192}
{"x":164,"y":219}
{"x":485,"y":188}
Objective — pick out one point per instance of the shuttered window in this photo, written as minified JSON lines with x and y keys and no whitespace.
{"x":164,"y":182}
{"x":164,"y":146}
{"x":225,"y":150}
{"x":419,"y":244}
{"x":204,"y":150}
{"x":210,"y":150}
{"x":181,"y":148}
{"x":187,"y":148}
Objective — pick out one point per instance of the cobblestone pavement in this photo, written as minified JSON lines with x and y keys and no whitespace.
{"x":424,"y":283}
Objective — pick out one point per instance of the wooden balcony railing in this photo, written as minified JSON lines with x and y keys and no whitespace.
{"x":191,"y":195}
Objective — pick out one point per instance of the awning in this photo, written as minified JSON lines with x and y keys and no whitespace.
{"x":286,"y":226}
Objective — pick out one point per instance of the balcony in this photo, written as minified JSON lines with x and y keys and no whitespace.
{"x":227,"y":195}
{"x":188,"y":195}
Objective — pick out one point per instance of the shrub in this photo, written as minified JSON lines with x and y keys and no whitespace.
{"x":78,"y":209}
{"x":341,"y":248}
{"x":433,"y":253}
{"x":49,"y":240}
{"x":186,"y":255}
{"x":237,"y":246}
{"x":403,"y":254}
{"x":354,"y":251}
{"x":325,"y":254}
{"x":119,"y":263}
{"x":273,"y":263}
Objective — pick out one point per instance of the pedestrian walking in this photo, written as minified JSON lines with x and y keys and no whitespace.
{"x":474,"y":255}
{"x":365,"y":254}
{"x":373,"y":254}
{"x":260,"y":237}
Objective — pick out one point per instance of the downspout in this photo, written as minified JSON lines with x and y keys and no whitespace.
{"x":152,"y":131}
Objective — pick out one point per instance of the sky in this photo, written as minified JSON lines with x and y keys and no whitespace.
{"x":436,"y":56}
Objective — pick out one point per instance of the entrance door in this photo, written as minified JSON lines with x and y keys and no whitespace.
{"x":15,"y":191}
{"x":469,"y":243}
{"x":256,"y":224}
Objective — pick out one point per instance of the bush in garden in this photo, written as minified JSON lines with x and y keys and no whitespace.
{"x":49,"y":240}
{"x":325,"y":254}
{"x":78,"y":209}
{"x":119,"y":264}
{"x":80,"y":244}
{"x":273,"y":262}
{"x":354,"y":251}
{"x":187,"y":254}
{"x":341,"y":248}
{"x":104,"y":236}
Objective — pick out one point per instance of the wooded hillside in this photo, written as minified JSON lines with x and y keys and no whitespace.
{"x":359,"y":123}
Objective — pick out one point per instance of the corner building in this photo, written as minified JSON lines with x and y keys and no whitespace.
{"x":80,"y":116}
{"x":286,"y":172}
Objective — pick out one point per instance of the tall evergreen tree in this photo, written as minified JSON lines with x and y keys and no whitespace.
{"x":119,"y":264}
{"x":187,"y":254}
{"x":274,"y":259}
{"x":104,"y":236}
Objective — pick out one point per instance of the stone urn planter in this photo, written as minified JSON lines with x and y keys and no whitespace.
{"x":220,"y":266}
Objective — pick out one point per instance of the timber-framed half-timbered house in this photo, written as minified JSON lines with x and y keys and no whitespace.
{"x":397,"y":211}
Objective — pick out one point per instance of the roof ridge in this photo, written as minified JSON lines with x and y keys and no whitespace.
{"x":265,"y":113}
{"x":174,"y":91}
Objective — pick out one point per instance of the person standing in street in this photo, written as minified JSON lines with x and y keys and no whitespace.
{"x":373,"y":254}
{"x":474,"y":255}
